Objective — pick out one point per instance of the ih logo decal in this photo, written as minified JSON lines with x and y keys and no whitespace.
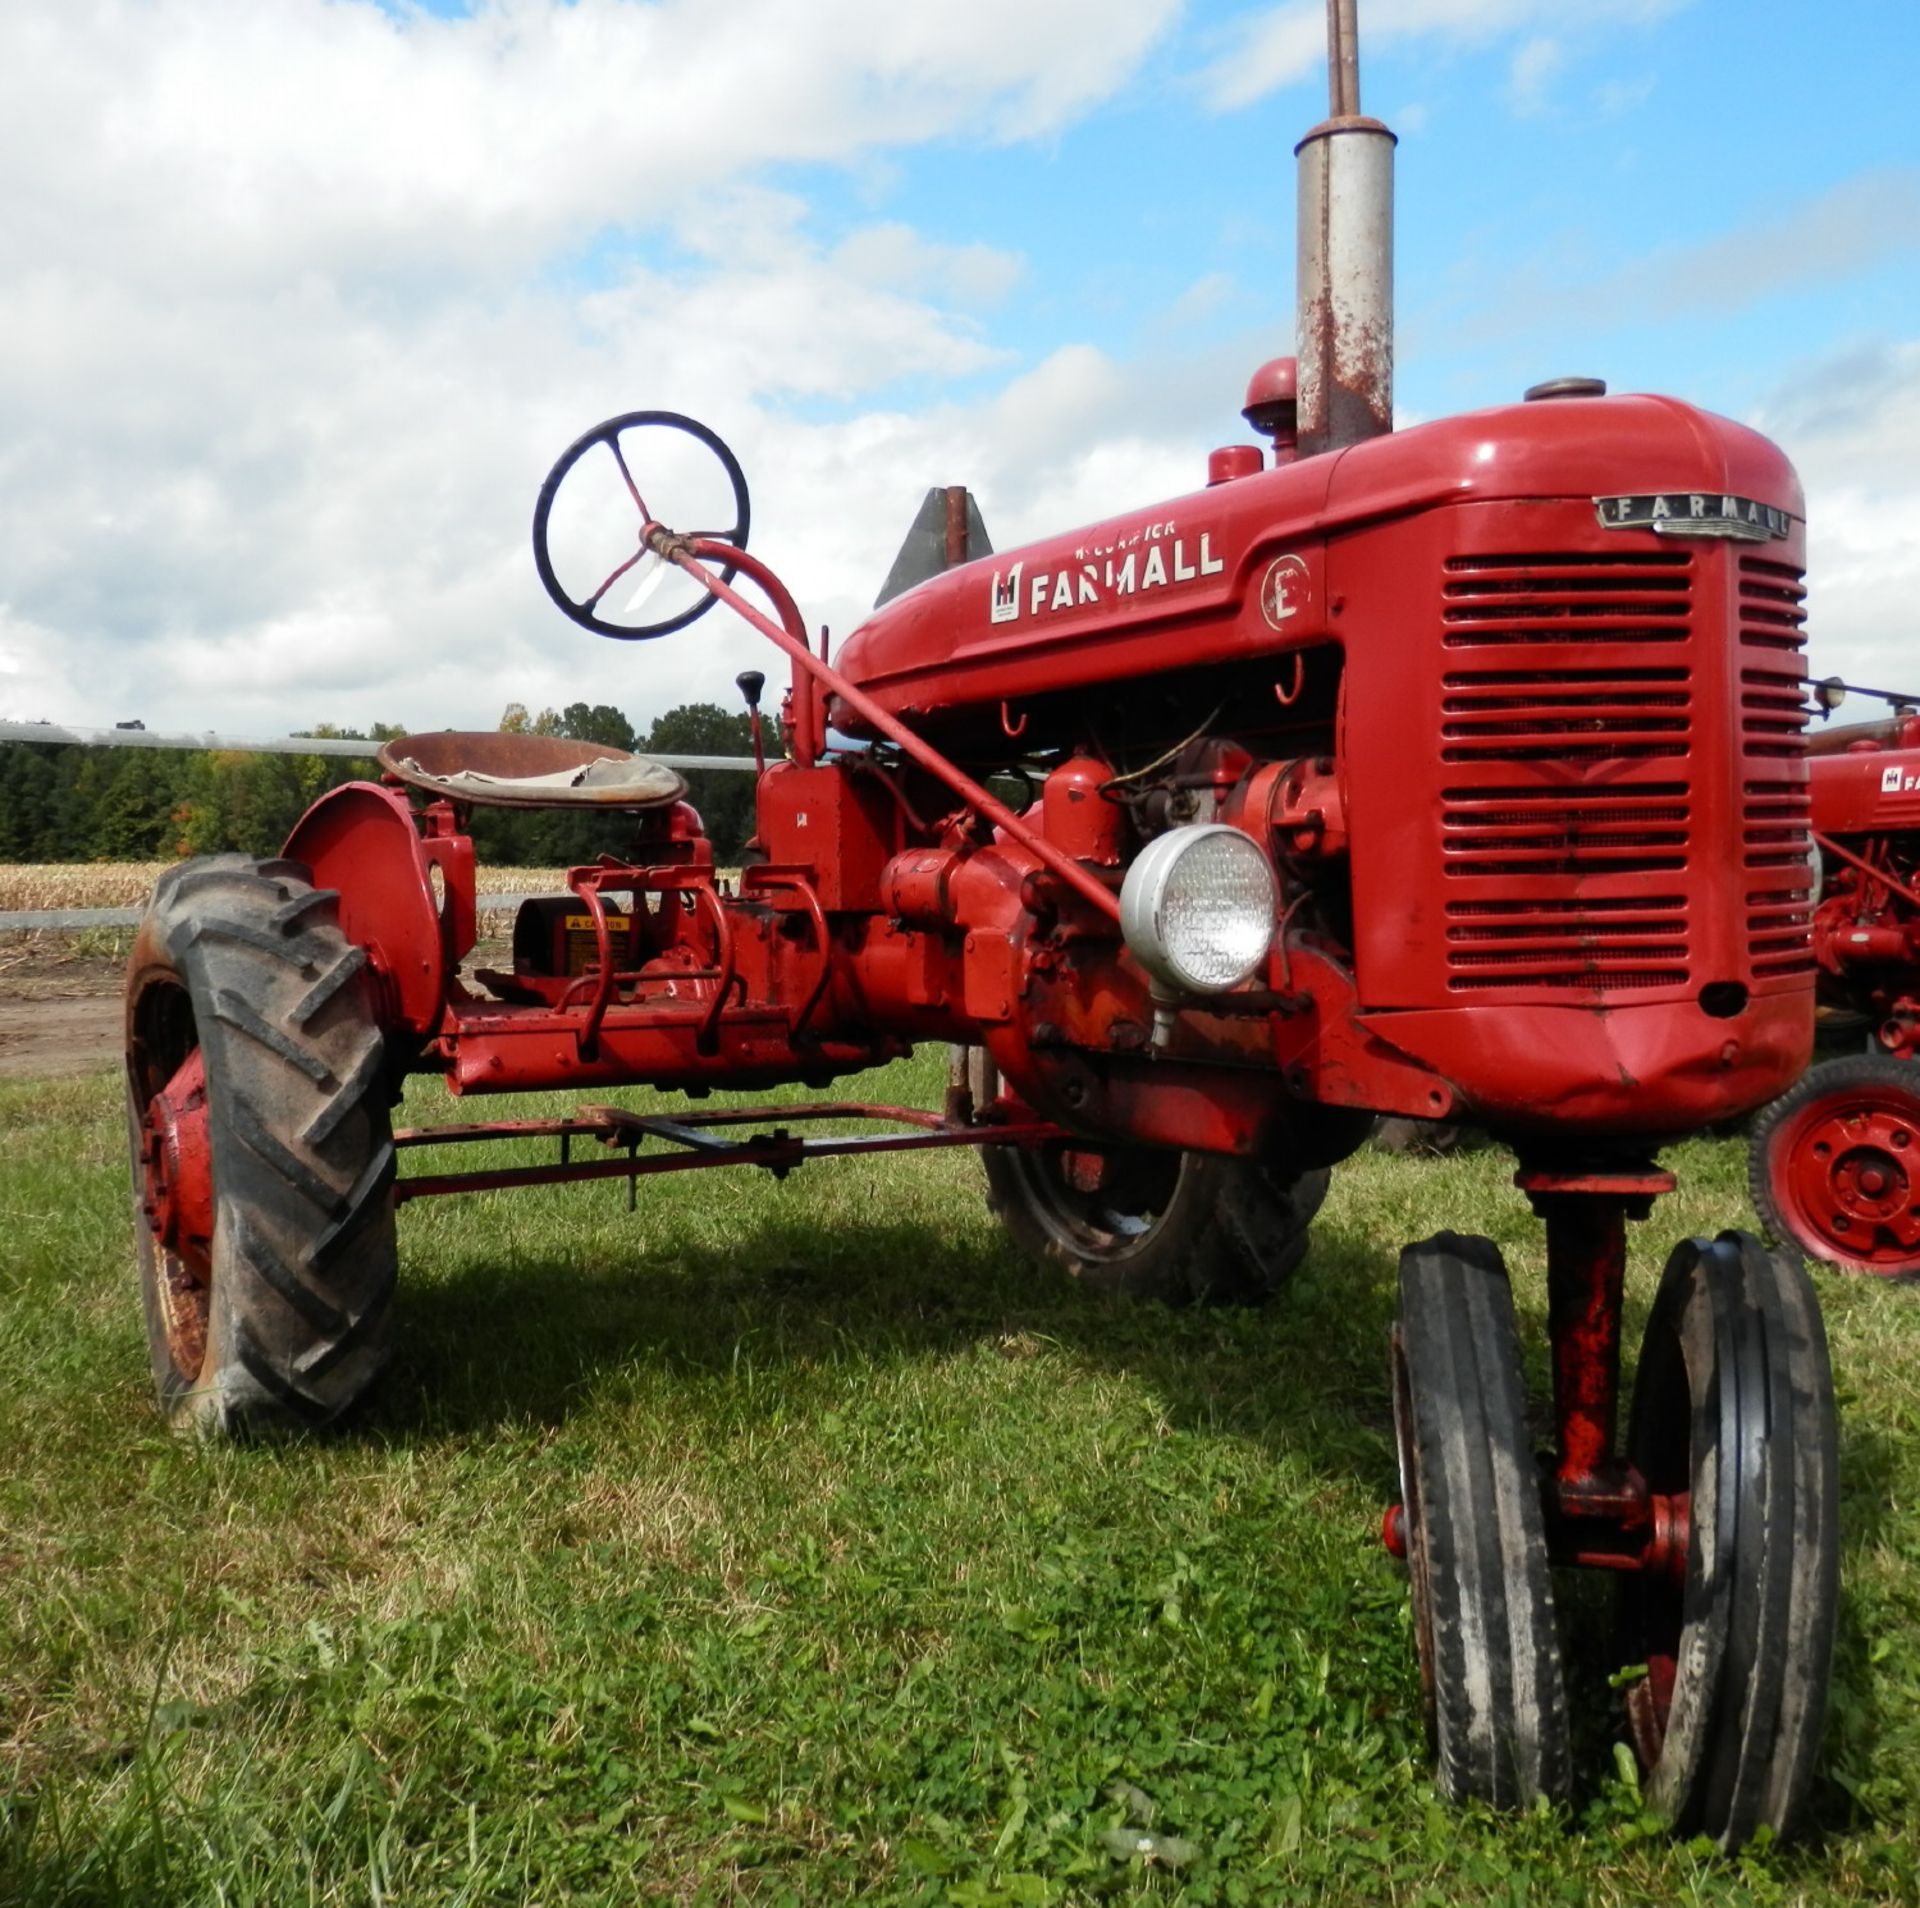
{"x":1893,"y":782}
{"x":1006,"y":594}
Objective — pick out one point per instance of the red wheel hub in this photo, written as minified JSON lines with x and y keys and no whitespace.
{"x":1849,"y":1183}
{"x":176,"y":1191}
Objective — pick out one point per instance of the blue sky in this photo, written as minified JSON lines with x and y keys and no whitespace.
{"x":302,"y":296}
{"x":1537,"y":219}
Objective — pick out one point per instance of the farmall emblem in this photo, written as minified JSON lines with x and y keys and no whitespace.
{"x":1285,"y":590}
{"x":1695,"y":513}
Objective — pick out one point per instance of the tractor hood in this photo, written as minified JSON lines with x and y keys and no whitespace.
{"x":1230,"y":571}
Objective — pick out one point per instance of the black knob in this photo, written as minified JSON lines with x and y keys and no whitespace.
{"x":1566,"y":387}
{"x":751,"y":682}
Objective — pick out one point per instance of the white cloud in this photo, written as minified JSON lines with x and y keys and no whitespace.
{"x":302,"y":298}
{"x":1815,"y":242}
{"x":1850,"y":422}
{"x":1205,"y":296}
{"x":40,"y":673}
{"x":251,"y":138}
{"x":897,"y":257}
{"x":1285,"y":45}
{"x":1531,"y":75}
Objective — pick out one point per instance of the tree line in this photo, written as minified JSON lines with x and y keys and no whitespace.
{"x":67,"y":802}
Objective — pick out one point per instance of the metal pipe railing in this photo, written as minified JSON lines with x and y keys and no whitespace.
{"x":354,"y":748}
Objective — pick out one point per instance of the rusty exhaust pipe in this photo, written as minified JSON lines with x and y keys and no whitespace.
{"x":1344,"y":319}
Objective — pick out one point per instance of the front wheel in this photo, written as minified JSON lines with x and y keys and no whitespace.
{"x":1474,"y":1532}
{"x":1834,"y":1165}
{"x":1729,"y":1656}
{"x":262,"y":1152}
{"x":1143,"y":1222}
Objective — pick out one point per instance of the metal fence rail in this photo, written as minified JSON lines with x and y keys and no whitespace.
{"x":359,"y":750}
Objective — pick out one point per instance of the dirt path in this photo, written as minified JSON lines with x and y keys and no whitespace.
{"x":45,"y":1037}
{"x":59,"y":1010}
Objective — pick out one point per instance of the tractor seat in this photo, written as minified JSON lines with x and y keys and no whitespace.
{"x":493,"y":769}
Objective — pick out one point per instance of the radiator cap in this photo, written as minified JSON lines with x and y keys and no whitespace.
{"x":1566,"y":387}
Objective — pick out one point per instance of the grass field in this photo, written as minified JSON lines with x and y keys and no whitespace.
{"x":791,"y":1543}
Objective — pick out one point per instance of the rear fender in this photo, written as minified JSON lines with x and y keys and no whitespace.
{"x":407,"y":899}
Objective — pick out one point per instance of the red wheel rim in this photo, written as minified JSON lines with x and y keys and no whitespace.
{"x":1845,"y":1173}
{"x":176,"y":1197}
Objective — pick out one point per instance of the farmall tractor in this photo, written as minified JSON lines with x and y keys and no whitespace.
{"x":1835,"y":1163}
{"x":1455,"y":772}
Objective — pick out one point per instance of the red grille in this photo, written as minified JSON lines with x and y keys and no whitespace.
{"x":1596,"y":715}
{"x":1568,"y":597}
{"x":1587,"y":944}
{"x":1777,"y":812}
{"x":1504,"y":830}
{"x":1518,"y":829}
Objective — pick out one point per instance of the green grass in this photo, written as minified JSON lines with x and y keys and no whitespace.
{"x":794,"y":1543}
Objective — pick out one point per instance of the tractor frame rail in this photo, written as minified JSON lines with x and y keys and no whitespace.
{"x":698,"y":1145}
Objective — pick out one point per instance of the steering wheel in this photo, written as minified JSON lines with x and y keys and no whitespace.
{"x":598,"y":518}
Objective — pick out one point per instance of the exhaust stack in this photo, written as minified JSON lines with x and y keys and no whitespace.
{"x":1343,"y":328}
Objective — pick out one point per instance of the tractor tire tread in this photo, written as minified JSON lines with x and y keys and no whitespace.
{"x":1738,"y":1756}
{"x":304,"y":1265}
{"x":1501,"y":1729}
{"x":330,"y":983}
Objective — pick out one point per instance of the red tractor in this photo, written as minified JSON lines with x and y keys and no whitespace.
{"x":1455,"y":772}
{"x":1835,"y":1163}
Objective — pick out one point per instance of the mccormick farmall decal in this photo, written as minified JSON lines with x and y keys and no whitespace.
{"x":1150,"y":558}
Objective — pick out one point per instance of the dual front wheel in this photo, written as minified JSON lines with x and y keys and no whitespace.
{"x":1725,"y":1648}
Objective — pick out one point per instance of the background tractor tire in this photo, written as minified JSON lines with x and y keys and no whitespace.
{"x":1834,"y":1165}
{"x":1143,"y":1222}
{"x":257,"y":1095}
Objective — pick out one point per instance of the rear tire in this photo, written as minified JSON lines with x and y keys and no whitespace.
{"x":1147,"y":1223}
{"x":1422,"y":1139}
{"x":267,"y":1302}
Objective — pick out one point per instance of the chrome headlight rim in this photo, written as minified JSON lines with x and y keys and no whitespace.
{"x":1145,"y":893}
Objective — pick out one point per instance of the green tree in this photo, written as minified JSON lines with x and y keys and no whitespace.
{"x":27,"y":778}
{"x":724,"y":797}
{"x":130,"y":814}
{"x":601,"y":723}
{"x":514,"y":720}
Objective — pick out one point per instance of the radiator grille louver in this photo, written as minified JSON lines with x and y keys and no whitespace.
{"x":1778,"y":812}
{"x":1512,"y":718}
{"x":1567,"y":597}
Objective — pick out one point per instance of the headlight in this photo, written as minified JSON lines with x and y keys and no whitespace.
{"x":1197,"y":908}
